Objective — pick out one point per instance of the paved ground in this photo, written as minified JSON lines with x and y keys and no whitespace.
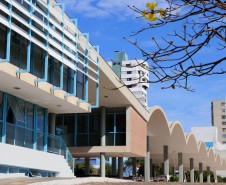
{"x":58,"y":181}
{"x":84,"y":181}
{"x":151,"y":183}
{"x":26,"y":181}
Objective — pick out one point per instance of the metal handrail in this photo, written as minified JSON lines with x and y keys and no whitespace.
{"x":57,"y":145}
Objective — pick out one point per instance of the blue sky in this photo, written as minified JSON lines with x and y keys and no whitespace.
{"x":108,"y":21}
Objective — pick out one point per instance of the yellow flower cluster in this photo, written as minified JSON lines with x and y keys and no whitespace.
{"x":151,"y":16}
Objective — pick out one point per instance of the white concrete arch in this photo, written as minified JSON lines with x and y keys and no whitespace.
{"x":211,"y":162}
{"x":202,"y":154}
{"x":158,"y":123}
{"x":211,"y":156}
{"x":162,"y":133}
{"x":218,"y":161}
{"x":177,"y":136}
{"x":223,"y":167}
{"x":191,"y":143}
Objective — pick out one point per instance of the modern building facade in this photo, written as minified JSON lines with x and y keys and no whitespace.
{"x":134,"y":74}
{"x":56,"y":103}
{"x":47,"y":67}
{"x":218,"y":110}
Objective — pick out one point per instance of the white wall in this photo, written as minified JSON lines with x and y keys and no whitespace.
{"x":11,"y":155}
{"x":206,"y":134}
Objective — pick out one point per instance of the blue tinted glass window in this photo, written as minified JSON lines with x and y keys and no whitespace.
{"x":3,"y":169}
{"x":40,"y":119}
{"x":59,"y":125}
{"x":30,"y":116}
{"x":13,"y":170}
{"x":1,"y":105}
{"x":0,"y":131}
{"x":82,"y":124}
{"x":2,"y":41}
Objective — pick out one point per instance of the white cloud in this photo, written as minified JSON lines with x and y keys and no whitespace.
{"x":107,"y":8}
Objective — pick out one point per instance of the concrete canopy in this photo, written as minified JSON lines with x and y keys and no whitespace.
{"x":162,"y":132}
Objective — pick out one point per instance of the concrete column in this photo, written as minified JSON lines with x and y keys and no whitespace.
{"x":215,"y":177}
{"x":114,"y":166}
{"x":120,"y":167}
{"x":102,"y":164}
{"x":52,"y":123}
{"x":162,"y":166}
{"x":147,"y":162}
{"x":200,"y":173}
{"x":181,"y":167}
{"x":208,"y":174}
{"x":151,"y":168}
{"x":103,"y":126}
{"x":192,"y":171}
{"x":135,"y":166}
{"x":166,"y":161}
{"x":87,"y":169}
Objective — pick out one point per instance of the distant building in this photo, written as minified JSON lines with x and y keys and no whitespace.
{"x":208,"y":135}
{"x":218,"y":109}
{"x":134,"y":73}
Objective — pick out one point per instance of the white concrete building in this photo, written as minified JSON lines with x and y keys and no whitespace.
{"x":208,"y":135}
{"x":134,"y":74}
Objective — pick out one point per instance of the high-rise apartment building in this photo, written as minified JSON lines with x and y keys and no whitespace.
{"x":134,"y":74}
{"x":218,"y":108}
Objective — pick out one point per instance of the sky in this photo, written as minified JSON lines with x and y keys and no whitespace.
{"x":108,"y":21}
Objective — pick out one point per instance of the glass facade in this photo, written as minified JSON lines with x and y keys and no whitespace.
{"x":26,"y":171}
{"x":84,"y":129}
{"x":88,"y":129}
{"x":1,"y":114}
{"x":116,"y":127}
{"x":18,"y":57}
{"x":65,"y":127}
{"x":25,"y":123}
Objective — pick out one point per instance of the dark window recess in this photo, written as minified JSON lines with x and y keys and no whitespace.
{"x":144,"y":87}
{"x":110,"y":123}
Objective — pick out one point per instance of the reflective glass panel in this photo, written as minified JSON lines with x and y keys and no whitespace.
{"x":30,"y":116}
{"x":121,"y":123}
{"x":25,"y":171}
{"x":40,"y":141}
{"x":94,"y":123}
{"x":13,"y":170}
{"x":69,"y":124}
{"x":0,"y":131}
{"x":3,"y":169}
{"x":29,"y":138}
{"x":69,"y":140}
{"x":110,"y":139}
{"x":10,"y":134}
{"x":59,"y":125}
{"x":94,"y":140}
{"x":82,"y":124}
{"x":120,"y":139}
{"x":110,"y":123}
{"x":19,"y":136}
{"x":1,"y":105}
{"x":40,"y":119}
{"x":83,"y":140}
